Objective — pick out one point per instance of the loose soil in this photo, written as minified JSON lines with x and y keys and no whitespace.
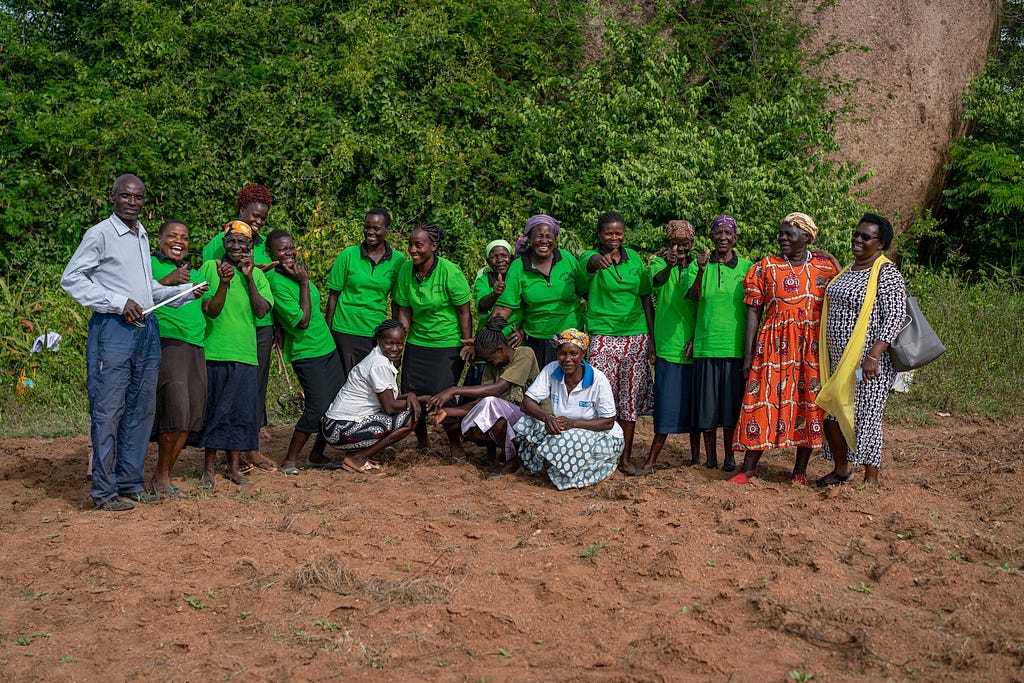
{"x":433,"y":572}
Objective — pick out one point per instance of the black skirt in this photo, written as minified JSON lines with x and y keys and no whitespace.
{"x":717,"y":392}
{"x":321,"y":381}
{"x":427,"y":370}
{"x":351,"y":350}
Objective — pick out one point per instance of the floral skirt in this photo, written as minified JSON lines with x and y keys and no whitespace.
{"x":575,"y":458}
{"x":623,"y":360}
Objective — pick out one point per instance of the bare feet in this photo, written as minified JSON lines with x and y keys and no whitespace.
{"x":510,"y":467}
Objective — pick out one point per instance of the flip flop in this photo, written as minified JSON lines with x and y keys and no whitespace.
{"x":291,"y":471}
{"x":205,"y":483}
{"x":739,"y":479}
{"x":368,"y":467}
{"x":328,"y":465}
{"x":799,"y":480}
{"x":171,"y":492}
{"x":240,"y":480}
{"x":833,"y":479}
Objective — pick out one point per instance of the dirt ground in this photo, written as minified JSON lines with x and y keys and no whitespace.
{"x":433,"y":572}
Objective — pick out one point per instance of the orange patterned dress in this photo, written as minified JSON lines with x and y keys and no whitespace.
{"x":778,"y":402}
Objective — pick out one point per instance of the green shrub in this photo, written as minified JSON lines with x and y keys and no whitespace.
{"x":979,"y":323}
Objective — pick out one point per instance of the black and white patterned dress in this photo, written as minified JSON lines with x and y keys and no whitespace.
{"x":845,"y":296}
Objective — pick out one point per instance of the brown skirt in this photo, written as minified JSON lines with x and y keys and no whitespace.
{"x":180,"y":387}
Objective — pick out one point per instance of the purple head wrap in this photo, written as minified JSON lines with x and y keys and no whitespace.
{"x":725,"y":220}
{"x":523,"y":243}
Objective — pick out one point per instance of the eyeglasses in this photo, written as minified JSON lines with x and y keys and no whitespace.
{"x":864,"y":236}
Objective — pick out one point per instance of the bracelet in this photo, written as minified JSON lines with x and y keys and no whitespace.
{"x":877,"y":360}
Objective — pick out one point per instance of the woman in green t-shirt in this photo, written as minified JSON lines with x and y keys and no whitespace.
{"x":718,"y":340}
{"x":488,"y":286}
{"x":181,"y":383}
{"x":359,"y":284}
{"x":307,"y":345}
{"x":620,"y":321}
{"x":433,"y":300}
{"x":674,"y":321}
{"x":239,"y":295}
{"x":254,"y":202}
{"x":542,"y":286}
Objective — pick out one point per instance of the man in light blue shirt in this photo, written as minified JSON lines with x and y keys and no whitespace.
{"x":111,"y":273}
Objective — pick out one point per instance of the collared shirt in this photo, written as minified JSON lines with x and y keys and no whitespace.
{"x":299,"y":344}
{"x":591,"y":398}
{"x":112,"y":265}
{"x":548,"y":303}
{"x":358,"y":398}
{"x":363,"y":289}
{"x":614,"y":307}
{"x":214,"y":251}
{"x":721,"y":314}
{"x":187,"y":323}
{"x":675,"y":316}
{"x":434,"y":300}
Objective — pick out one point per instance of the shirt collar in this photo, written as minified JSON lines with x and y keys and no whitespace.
{"x":437,"y":260}
{"x":160,"y":256}
{"x":588,"y":375}
{"x":122,"y":228}
{"x":731,"y":263}
{"x":366,"y":254}
{"x":556,"y":256}
{"x":622,"y":251}
{"x":376,"y":350}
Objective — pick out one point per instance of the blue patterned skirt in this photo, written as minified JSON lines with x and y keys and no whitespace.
{"x":575,"y":458}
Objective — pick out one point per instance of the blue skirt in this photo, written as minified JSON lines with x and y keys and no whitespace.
{"x":231,"y":422}
{"x":673,"y":405}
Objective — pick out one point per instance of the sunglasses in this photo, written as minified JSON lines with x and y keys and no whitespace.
{"x":864,"y":236}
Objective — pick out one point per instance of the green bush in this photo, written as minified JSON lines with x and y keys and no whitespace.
{"x":979,"y":323}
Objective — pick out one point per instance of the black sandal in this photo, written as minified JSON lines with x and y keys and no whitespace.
{"x":833,"y":479}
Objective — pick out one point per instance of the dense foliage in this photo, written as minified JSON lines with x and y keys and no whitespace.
{"x":470,"y":114}
{"x":984,"y":205}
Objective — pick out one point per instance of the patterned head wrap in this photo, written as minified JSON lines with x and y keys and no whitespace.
{"x":238,"y":228}
{"x":804,"y":222}
{"x":523,"y":243}
{"x":725,"y":219}
{"x":679,"y":230}
{"x":497,"y":243}
{"x":574,"y":337}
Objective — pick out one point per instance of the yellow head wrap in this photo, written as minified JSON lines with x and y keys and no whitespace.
{"x":573,"y":336}
{"x":804,"y":222}
{"x":238,"y":228}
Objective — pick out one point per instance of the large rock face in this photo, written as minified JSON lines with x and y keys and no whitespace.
{"x":922,"y":53}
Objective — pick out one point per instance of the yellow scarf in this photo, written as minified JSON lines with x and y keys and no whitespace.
{"x":837,"y":391}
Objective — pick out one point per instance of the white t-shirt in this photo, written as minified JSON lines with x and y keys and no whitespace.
{"x":358,"y":398}
{"x":591,"y":398}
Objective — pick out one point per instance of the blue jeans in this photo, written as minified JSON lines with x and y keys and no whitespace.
{"x":123,"y":362}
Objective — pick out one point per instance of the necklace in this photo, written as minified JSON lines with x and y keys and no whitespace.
{"x":807,"y":259}
{"x":791,"y":283}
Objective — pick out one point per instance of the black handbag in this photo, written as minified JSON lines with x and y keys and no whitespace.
{"x":916,"y":344}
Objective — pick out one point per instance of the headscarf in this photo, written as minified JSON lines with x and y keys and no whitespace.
{"x":725,"y":219}
{"x":487,"y":253}
{"x":523,"y":243}
{"x":679,"y":230}
{"x":804,"y":222}
{"x":574,"y":337}
{"x":238,"y":228}
{"x":497,"y":243}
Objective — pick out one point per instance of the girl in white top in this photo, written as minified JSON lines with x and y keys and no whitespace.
{"x":368,"y":414}
{"x":579,"y":440}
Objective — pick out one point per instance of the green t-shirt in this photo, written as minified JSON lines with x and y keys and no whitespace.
{"x":363,"y":288}
{"x":435,"y":323}
{"x":548,"y":305}
{"x":721,"y":314}
{"x":215,"y":251}
{"x":675,"y":315}
{"x":316,"y":339}
{"x":185,"y":323}
{"x":481,"y":288}
{"x":231,"y":336}
{"x":613,"y":306}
